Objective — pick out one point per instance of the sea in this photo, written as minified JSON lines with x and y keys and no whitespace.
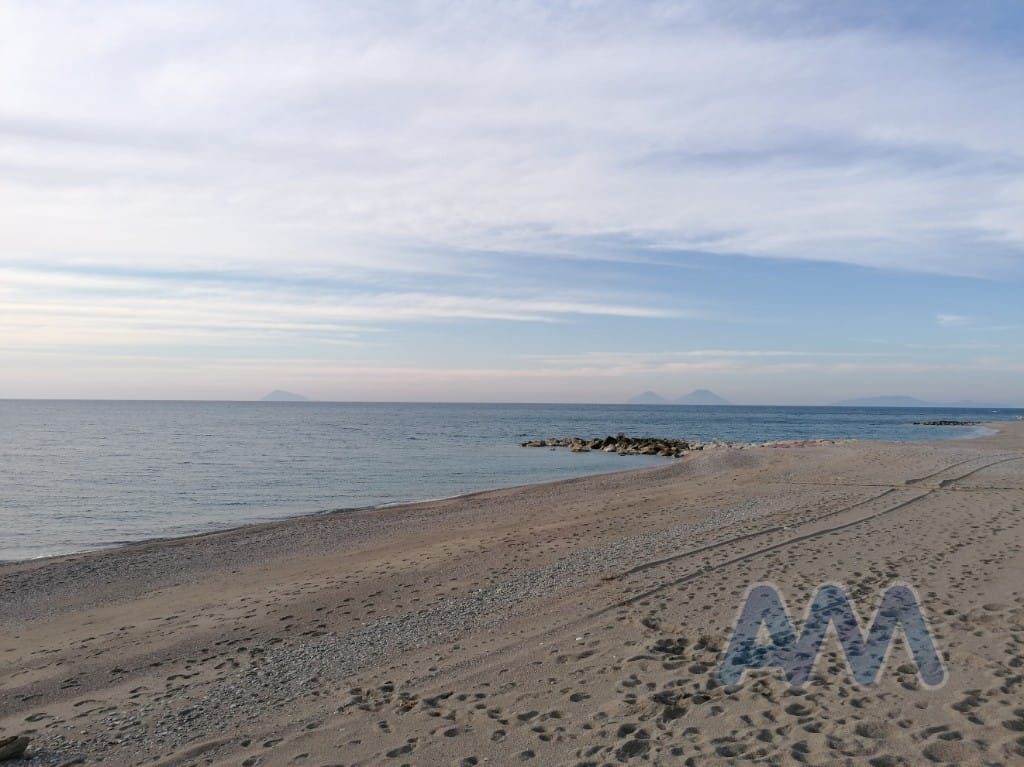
{"x":83,"y":475}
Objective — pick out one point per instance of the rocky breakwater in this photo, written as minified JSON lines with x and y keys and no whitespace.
{"x":663,"y":446}
{"x":621,"y":444}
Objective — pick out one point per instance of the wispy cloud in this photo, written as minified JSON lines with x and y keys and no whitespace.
{"x":948,"y":320}
{"x":349,"y":135}
{"x":68,"y":308}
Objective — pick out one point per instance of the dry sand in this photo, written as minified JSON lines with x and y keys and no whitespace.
{"x":574,"y":623}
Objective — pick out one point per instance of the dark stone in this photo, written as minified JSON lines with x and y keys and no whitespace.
{"x":13,"y":747}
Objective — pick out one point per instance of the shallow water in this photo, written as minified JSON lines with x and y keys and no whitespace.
{"x":78,"y":475}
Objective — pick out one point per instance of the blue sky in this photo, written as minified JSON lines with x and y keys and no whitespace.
{"x":786,"y":203}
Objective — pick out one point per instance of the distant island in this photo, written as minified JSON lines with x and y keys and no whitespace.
{"x":702,"y":397}
{"x":905,"y":401}
{"x":279,"y":395}
{"x":647,"y":398}
{"x":696,"y":397}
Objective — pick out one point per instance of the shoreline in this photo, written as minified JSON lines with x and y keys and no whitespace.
{"x":308,"y":515}
{"x":991,"y":426}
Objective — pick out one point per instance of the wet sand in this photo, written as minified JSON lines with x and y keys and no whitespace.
{"x":573,"y":623}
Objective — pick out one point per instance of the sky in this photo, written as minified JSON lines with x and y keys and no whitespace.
{"x":786,"y":202}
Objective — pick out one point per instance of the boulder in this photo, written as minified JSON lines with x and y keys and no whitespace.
{"x":13,"y":747}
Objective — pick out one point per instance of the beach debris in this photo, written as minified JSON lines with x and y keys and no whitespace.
{"x":946,"y":423}
{"x":13,"y":747}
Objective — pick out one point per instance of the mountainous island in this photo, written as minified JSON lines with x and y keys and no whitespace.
{"x":279,"y":395}
{"x":696,"y":397}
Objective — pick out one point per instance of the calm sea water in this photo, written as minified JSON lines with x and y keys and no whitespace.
{"x":76,"y":475}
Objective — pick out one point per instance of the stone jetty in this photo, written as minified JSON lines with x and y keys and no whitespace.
{"x":661,"y":446}
{"x":621,"y":444}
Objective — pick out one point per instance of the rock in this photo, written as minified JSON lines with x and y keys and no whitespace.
{"x":946,"y":423}
{"x":620,"y":444}
{"x":13,"y":747}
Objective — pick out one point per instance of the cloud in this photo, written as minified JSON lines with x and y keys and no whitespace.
{"x":42,"y":309}
{"x":951,"y":320}
{"x":359,"y":137}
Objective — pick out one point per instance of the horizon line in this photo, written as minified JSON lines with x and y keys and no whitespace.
{"x":308,"y":401}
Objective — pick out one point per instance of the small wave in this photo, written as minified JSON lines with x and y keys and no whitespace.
{"x":976,"y":433}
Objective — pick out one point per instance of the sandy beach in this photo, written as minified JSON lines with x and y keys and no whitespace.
{"x":573,"y":623}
